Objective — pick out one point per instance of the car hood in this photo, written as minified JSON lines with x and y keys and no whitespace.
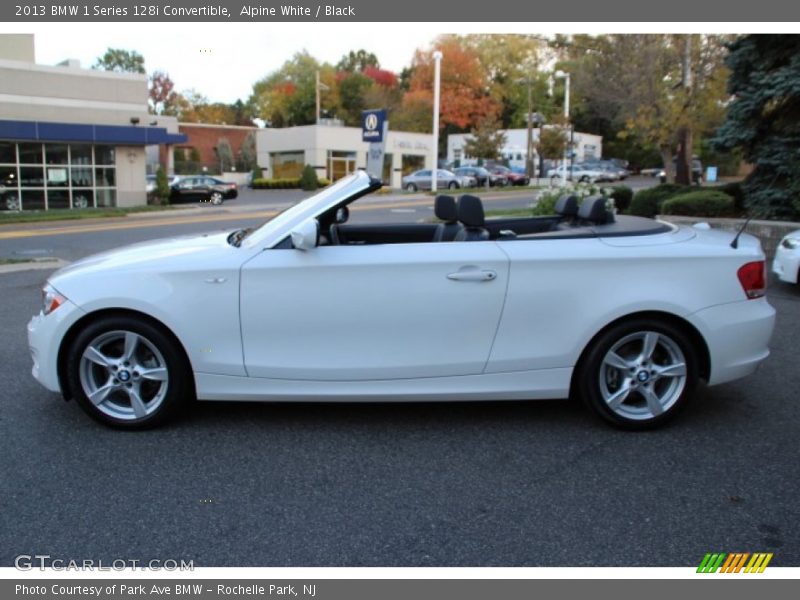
{"x":145,"y":254}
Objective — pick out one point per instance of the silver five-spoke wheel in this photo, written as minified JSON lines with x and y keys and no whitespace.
{"x":124,"y":375}
{"x":643,"y":375}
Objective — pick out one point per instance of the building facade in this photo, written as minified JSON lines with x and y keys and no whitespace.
{"x":586,"y":146}
{"x":199,"y":151}
{"x":72,"y":137}
{"x":336,"y":151}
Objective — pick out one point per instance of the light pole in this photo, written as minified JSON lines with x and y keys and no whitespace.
{"x":437,"y":72}
{"x":565,"y":76}
{"x":320,"y":86}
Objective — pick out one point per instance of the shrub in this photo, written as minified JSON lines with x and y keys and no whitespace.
{"x":622,"y":196}
{"x":703,"y":203}
{"x":647,"y":203}
{"x":308,"y":179}
{"x":735,"y":191}
{"x":546,"y":205}
{"x":289,"y":183}
{"x":162,"y":190}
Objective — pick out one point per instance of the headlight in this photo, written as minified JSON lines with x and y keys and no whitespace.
{"x":51,"y":299}
{"x":791,"y":243}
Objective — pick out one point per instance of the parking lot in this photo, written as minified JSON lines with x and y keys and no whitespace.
{"x":458,"y":484}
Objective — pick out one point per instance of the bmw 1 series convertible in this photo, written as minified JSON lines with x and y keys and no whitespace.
{"x":626,"y":313}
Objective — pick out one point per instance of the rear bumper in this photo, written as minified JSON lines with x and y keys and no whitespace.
{"x":737,"y":335}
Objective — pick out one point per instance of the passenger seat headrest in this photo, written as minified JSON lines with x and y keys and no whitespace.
{"x":567,"y":206}
{"x":594,"y":209}
{"x":470,"y":211}
{"x":444,"y":207}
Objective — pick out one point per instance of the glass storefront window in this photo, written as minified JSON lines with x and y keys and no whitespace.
{"x":81,"y":176}
{"x":8,"y":153}
{"x":30,"y":154}
{"x":56,"y":154}
{"x":56,"y":176}
{"x":287,"y":165}
{"x":104,"y":155}
{"x":33,"y":199}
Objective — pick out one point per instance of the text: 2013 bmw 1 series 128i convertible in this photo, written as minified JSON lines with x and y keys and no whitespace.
{"x":626,"y":313}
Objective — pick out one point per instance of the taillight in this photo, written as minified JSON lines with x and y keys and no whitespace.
{"x":753,"y":277}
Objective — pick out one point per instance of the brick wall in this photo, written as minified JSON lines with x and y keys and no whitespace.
{"x":205,"y":137}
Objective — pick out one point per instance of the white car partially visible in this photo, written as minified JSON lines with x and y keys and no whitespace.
{"x":786,"y":264}
{"x":627,"y":313}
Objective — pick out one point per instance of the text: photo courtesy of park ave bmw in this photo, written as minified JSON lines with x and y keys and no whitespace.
{"x":398,"y":300}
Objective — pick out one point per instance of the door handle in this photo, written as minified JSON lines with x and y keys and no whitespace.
{"x":473,"y":275}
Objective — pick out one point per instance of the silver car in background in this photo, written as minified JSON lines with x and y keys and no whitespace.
{"x":423,"y":180}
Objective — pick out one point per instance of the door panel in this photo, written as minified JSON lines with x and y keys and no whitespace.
{"x":371,"y":312}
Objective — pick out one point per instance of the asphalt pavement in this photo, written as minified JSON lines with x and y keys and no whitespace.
{"x":450,"y":484}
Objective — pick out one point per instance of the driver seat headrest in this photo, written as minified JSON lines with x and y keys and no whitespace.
{"x":470,"y":211}
{"x":444,"y":207}
{"x":567,"y":205}
{"x":593,"y":209}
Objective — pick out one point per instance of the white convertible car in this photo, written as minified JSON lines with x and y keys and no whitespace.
{"x":625,"y":313}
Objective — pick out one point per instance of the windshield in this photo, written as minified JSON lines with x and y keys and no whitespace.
{"x":347,"y":187}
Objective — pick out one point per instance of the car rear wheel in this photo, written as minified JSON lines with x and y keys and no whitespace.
{"x":638,"y":374}
{"x":411,"y":187}
{"x":12,"y":202}
{"x":127,"y":373}
{"x":216,"y":198}
{"x":452,"y":185}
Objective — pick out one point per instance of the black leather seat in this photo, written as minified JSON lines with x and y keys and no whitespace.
{"x":470,"y":213}
{"x":566,"y":208}
{"x":444,"y":207}
{"x":593,"y":211}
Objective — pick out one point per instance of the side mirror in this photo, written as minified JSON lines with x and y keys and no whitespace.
{"x":342,"y":214}
{"x":306,"y":235}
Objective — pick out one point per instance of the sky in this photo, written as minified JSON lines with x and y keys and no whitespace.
{"x":220,"y":60}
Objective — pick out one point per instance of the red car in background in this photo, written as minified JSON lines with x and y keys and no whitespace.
{"x":512,"y":177}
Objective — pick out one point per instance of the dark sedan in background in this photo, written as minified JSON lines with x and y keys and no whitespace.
{"x":511,"y":177}
{"x":203,"y":188}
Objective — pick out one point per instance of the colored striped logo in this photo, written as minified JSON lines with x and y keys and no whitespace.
{"x":735,"y":562}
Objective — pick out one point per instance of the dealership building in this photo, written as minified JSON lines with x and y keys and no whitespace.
{"x":335,"y":151}
{"x":73,"y":137}
{"x":586,"y":146}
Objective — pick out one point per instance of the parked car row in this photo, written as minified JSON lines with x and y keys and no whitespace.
{"x":596,"y":171}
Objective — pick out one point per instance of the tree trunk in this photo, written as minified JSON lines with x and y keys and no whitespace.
{"x":666,"y":157}
{"x":683,"y":173}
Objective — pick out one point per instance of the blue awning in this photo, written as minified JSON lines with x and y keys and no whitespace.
{"x":135,"y":135}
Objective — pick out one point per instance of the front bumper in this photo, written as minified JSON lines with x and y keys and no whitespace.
{"x":786,"y":264}
{"x":737,"y":335}
{"x":45,"y":333}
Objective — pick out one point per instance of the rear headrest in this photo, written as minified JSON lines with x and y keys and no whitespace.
{"x":444,"y":207}
{"x":593,"y":209}
{"x":470,"y":211}
{"x":567,"y":206}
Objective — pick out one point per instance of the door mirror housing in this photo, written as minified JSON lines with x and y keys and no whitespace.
{"x":306,"y":235}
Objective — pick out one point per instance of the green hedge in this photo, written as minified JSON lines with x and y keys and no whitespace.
{"x":622,"y":196}
{"x":647,"y":203}
{"x":703,"y":203}
{"x":283,"y":184}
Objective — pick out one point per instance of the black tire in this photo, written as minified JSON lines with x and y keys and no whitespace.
{"x":633,"y":413}
{"x":584,"y":179}
{"x":452,"y":185}
{"x":179,"y":385}
{"x":411,"y":187}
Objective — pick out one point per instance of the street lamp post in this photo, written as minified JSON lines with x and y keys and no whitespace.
{"x":320,"y":86}
{"x":437,"y":69}
{"x":565,"y":76}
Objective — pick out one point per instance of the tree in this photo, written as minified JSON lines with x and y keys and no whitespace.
{"x":357,"y":61}
{"x":161,"y":94}
{"x":763,"y":121}
{"x":486,"y":140}
{"x":414,"y":113}
{"x":464,"y":95}
{"x":552,"y":142}
{"x":121,"y":61}
{"x":162,"y":191}
{"x":352,"y":91}
{"x":249,"y":155}
{"x":224,"y":154}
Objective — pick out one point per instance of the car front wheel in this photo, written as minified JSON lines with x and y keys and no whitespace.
{"x":411,"y":187}
{"x":638,"y":374}
{"x":216,"y":198}
{"x":127,"y":373}
{"x":452,"y":185}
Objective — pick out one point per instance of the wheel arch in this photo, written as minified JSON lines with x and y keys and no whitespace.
{"x":685,"y":326}
{"x":76,"y":328}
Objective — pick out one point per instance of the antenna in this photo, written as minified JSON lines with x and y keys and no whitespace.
{"x":735,"y":241}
